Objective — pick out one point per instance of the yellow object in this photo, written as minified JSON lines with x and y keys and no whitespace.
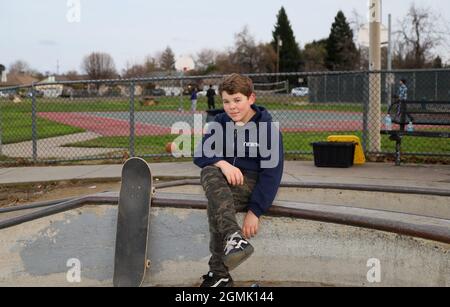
{"x":360,"y":158}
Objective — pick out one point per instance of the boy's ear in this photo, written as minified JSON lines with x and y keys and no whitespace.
{"x":252,"y":98}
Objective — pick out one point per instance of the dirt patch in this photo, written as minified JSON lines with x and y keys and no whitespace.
{"x":24,"y":194}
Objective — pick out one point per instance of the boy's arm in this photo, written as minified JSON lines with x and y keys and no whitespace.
{"x":200,"y":159}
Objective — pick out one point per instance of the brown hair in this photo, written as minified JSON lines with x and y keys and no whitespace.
{"x":235,"y":83}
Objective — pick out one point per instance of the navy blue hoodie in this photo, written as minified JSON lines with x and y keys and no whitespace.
{"x":269,"y":178}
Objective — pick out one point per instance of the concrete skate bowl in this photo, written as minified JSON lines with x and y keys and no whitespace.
{"x":299,"y":243}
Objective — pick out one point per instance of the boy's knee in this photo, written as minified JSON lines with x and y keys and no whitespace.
{"x":211,"y":175}
{"x":210,"y":171}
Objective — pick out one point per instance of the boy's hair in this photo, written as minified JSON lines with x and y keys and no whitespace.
{"x":403,"y":81}
{"x":235,"y":83}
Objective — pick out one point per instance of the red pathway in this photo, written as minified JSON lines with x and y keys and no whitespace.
{"x":102,"y":125}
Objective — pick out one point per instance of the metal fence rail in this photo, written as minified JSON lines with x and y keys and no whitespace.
{"x":110,"y":119}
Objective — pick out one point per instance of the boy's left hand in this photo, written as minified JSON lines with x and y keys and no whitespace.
{"x":250,"y":225}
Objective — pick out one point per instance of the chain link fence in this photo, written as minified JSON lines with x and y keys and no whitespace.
{"x":113,"y":119}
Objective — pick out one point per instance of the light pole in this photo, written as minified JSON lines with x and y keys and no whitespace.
{"x":374,"y":111}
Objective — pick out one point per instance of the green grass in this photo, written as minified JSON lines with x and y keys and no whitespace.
{"x":164,"y":104}
{"x":16,"y":127}
{"x":292,"y":142}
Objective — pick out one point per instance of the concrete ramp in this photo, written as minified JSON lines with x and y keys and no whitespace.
{"x":56,"y":249}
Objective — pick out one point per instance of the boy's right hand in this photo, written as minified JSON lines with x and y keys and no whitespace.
{"x":233,"y":174}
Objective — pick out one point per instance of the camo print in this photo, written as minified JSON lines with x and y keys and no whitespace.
{"x":224,"y":201}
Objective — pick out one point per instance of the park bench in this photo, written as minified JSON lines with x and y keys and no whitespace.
{"x":419,"y":113}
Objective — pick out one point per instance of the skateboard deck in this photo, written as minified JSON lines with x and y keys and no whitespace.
{"x":130,"y":261}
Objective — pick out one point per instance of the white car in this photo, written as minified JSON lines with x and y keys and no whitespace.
{"x":300,"y":91}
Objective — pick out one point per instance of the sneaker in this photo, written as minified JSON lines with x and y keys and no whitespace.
{"x":210,"y":280}
{"x":237,"y":250}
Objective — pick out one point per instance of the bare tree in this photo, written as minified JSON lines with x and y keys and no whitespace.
{"x":224,"y":64}
{"x":134,"y":71}
{"x":19,"y":66}
{"x":205,"y":60}
{"x":244,"y":54}
{"x":266,"y":58}
{"x":150,"y":64}
{"x":99,"y":65}
{"x":420,"y":33}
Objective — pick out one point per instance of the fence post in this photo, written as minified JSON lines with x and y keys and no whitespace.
{"x":33,"y":123}
{"x":436,"y":86}
{"x":366,"y":95}
{"x":132,"y":120}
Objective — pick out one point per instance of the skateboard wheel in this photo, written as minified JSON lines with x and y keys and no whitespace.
{"x":148,"y":263}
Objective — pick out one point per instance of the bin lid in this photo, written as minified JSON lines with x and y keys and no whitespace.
{"x":360,"y":158}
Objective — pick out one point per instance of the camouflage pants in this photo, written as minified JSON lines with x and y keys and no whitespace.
{"x":224,"y":201}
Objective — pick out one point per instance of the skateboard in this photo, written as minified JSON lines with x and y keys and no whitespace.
{"x":130,"y":261}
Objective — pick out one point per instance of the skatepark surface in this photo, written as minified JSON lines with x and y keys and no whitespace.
{"x":290,"y":251}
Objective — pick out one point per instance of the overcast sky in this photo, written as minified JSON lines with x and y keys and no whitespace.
{"x":40,"y":33}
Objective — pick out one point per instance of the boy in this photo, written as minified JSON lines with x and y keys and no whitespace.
{"x":239,"y":175}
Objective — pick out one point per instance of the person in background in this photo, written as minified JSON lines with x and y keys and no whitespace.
{"x":210,"y":93}
{"x":194,"y":100}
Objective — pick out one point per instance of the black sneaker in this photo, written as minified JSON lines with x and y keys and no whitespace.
{"x":237,"y":250}
{"x":210,"y":280}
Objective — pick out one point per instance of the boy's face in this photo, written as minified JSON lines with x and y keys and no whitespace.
{"x":238,"y":106}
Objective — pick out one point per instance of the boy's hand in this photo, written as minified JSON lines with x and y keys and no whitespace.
{"x":233,"y":174}
{"x":250,"y":226}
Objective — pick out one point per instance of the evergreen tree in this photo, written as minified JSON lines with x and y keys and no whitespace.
{"x":290,"y":55}
{"x":437,"y":62}
{"x":167,"y":61}
{"x":341,"y":50}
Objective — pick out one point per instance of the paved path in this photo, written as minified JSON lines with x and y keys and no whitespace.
{"x":53,"y":147}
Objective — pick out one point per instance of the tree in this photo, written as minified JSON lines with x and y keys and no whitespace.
{"x":245,"y":54}
{"x":134,"y":71}
{"x":99,"y":65}
{"x":290,"y":55}
{"x":421,"y":31}
{"x":315,"y":55}
{"x":150,"y":64}
{"x":167,"y":60}
{"x":19,"y":66}
{"x":437,"y":62}
{"x":72,"y":75}
{"x":341,"y":50}
{"x":206,"y":61}
{"x":267,"y":58}
{"x":224,"y":64}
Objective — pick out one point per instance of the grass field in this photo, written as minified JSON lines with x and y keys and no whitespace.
{"x":16,"y":123}
{"x":15,"y":118}
{"x":291,"y":141}
{"x":16,"y":127}
{"x":114,"y":104}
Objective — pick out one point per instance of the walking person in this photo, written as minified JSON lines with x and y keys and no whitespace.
{"x":210,"y":93}
{"x":194,"y":100}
